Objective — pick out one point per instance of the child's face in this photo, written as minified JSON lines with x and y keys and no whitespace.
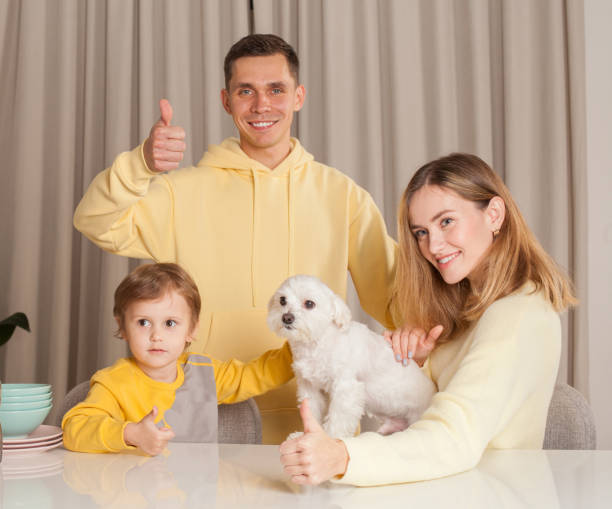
{"x":157,"y":331}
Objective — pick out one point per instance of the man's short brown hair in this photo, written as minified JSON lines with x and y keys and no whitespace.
{"x":152,"y":281}
{"x":260,"y":45}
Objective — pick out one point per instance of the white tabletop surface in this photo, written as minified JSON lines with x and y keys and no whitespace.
{"x":205,"y":475}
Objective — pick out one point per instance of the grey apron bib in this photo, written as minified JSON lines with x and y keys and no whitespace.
{"x":193,"y":415}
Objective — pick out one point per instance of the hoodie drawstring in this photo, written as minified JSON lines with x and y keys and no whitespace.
{"x":290,"y":216}
{"x":254,"y":238}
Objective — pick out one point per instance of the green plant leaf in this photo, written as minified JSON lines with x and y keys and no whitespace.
{"x":8,"y":325}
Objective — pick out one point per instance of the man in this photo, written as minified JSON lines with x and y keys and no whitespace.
{"x":251,"y":213}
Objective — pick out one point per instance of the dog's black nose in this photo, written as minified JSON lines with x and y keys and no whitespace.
{"x":288,"y":318}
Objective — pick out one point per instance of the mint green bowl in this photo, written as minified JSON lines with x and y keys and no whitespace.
{"x":19,"y":423}
{"x":24,"y":405}
{"x":26,"y":398}
{"x":24,"y":389}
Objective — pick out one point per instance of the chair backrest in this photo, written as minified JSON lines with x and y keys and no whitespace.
{"x":570,"y":423}
{"x":239,"y":423}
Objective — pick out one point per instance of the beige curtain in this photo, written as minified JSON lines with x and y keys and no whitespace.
{"x":390,"y":85}
{"x":81,"y":81}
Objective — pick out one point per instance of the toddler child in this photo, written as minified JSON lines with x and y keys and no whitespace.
{"x":162,"y":392}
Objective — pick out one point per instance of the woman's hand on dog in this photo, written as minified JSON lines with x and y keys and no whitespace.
{"x":412,"y":343}
{"x":313,"y":457}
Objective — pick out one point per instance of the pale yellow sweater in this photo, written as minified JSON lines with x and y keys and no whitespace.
{"x":495,"y":384}
{"x":240,"y":229}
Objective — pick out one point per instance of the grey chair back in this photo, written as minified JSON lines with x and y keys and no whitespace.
{"x":570,"y":423}
{"x":239,"y":423}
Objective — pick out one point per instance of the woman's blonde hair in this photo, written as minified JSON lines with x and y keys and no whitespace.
{"x":514,"y":258}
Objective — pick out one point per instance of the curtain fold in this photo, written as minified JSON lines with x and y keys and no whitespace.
{"x":578,"y":344}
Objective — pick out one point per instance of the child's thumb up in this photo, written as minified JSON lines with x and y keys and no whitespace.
{"x":150,"y":417}
{"x":310,"y":423}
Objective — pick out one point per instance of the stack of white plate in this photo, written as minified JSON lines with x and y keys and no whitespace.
{"x":43,"y":438}
{"x":21,"y":458}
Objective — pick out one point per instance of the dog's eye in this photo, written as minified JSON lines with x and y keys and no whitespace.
{"x":283,"y":301}
{"x":308,"y":304}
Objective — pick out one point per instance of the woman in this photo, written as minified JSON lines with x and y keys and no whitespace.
{"x":473,"y":275}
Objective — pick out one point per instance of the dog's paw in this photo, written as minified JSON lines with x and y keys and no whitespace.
{"x":392,"y":425}
{"x":294,"y":435}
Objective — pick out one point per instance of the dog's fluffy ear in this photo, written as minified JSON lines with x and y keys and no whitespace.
{"x":271,"y":301}
{"x":342,"y":314}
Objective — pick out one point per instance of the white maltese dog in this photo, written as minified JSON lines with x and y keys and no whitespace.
{"x":342,"y":367}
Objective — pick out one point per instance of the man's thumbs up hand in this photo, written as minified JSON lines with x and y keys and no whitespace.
{"x":165,"y":109}
{"x":164,"y":148}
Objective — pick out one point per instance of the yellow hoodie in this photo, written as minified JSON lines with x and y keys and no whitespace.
{"x":240,"y":229}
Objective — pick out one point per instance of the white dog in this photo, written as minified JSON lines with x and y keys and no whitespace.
{"x":342,"y":367}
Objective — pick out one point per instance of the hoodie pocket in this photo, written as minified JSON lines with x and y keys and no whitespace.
{"x":240,"y":334}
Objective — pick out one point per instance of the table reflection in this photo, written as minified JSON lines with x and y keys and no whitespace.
{"x":182,"y":478}
{"x":210,"y":475}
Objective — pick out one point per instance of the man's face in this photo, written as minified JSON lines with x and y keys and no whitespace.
{"x":261,"y":99}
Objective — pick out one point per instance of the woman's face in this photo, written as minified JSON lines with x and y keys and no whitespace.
{"x":453,"y":234}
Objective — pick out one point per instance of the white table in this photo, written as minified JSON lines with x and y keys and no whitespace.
{"x":204,"y":475}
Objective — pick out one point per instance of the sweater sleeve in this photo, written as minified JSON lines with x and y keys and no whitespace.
{"x":372,"y":258}
{"x":126,"y":207}
{"x":237,"y":381}
{"x":511,"y":362}
{"x":95,"y":424}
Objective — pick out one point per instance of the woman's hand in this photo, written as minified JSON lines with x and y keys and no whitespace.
{"x":313,"y":457}
{"x":412,"y":343}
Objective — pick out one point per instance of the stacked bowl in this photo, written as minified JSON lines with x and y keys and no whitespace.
{"x":23,"y":407}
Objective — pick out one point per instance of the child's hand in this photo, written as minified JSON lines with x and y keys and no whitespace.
{"x":146,"y":435}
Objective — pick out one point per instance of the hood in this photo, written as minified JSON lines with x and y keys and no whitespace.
{"x":229,"y":155}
